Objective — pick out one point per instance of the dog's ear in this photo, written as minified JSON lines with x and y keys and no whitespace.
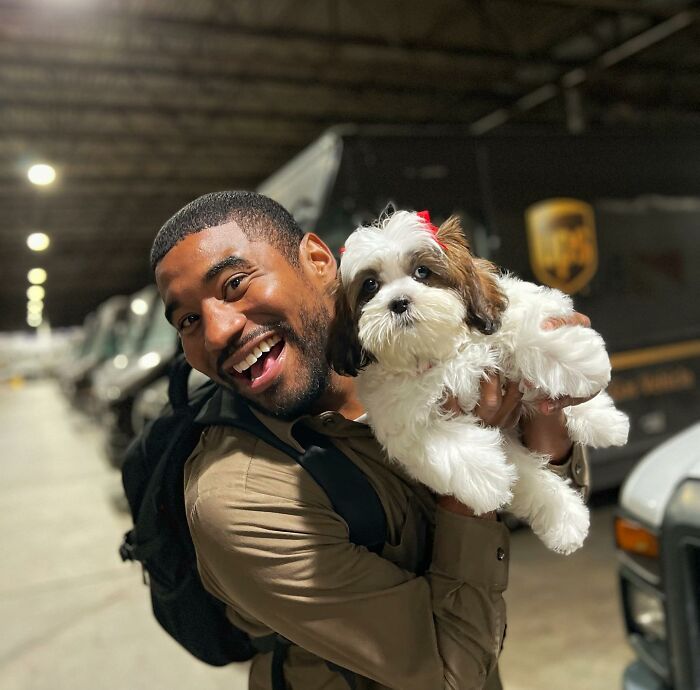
{"x":475,"y":279}
{"x":343,"y":350}
{"x":486,"y":299}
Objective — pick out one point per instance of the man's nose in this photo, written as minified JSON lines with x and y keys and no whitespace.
{"x":223,"y":323}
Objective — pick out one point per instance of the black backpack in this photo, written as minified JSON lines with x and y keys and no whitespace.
{"x":152,"y":476}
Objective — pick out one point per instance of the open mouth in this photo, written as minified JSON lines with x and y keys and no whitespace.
{"x":261,"y":365}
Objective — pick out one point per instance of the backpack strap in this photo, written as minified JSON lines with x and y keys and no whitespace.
{"x":350,"y":492}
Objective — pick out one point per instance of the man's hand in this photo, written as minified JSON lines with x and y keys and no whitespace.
{"x":544,"y":432}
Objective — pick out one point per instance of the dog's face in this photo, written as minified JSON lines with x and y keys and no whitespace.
{"x":404,"y":295}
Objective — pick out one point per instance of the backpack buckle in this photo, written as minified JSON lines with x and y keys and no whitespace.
{"x":127,"y":550}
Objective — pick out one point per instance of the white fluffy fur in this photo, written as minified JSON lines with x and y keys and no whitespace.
{"x":430,"y":353}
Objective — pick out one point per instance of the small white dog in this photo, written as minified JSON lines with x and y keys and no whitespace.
{"x":418,"y":318}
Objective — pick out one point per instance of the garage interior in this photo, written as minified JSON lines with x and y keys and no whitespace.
{"x":141,"y":107}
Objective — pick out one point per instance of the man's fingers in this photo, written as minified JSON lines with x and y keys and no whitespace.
{"x":550,"y":406}
{"x":489,"y":398}
{"x":511,"y":408}
{"x":451,"y":405}
{"x":573,"y":319}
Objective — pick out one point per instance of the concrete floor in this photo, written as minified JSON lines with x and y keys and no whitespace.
{"x":76,"y":618}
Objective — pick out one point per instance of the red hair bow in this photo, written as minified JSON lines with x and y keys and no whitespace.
{"x":425,"y":217}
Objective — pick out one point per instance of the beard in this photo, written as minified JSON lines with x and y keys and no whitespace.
{"x":313,"y":375}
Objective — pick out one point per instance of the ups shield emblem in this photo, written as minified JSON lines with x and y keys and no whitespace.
{"x":562,"y":240}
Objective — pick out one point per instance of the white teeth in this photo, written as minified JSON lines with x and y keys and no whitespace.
{"x":264,"y":346}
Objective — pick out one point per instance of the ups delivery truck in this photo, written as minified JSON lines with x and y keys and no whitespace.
{"x":614,"y":220}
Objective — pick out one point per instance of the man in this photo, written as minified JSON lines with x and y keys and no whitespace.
{"x":249,"y":294}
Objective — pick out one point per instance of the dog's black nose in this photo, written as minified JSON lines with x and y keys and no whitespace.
{"x":399,"y":306}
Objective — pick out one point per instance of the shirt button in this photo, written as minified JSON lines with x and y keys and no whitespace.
{"x":500,"y":554}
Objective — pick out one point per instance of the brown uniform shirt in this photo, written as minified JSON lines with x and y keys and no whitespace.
{"x":272,"y":548}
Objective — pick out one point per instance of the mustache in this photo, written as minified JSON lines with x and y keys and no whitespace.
{"x":279,"y":327}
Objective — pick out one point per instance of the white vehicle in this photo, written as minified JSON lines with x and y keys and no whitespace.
{"x":658,"y":538}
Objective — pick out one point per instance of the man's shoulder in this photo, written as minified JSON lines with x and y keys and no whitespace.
{"x":234,"y":467}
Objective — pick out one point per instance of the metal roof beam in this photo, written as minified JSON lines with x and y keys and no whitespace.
{"x":655,"y":10}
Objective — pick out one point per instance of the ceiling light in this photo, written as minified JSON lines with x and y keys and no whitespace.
{"x":34,"y":320}
{"x":139,"y":306}
{"x":35,"y":307}
{"x":38,"y":241}
{"x":120,"y":361}
{"x":149,"y":360}
{"x":35,"y":293}
{"x":37,"y":276}
{"x":41,"y":174}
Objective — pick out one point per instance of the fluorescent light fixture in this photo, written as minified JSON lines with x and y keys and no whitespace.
{"x":37,"y":276}
{"x":34,"y":320}
{"x":139,"y":306}
{"x":35,"y":293}
{"x":41,"y":174}
{"x":38,"y":241}
{"x":35,"y":307}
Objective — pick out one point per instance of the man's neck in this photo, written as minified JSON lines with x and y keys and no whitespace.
{"x":340,"y":396}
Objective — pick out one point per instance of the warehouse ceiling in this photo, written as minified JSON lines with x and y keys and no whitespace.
{"x":143,"y":105}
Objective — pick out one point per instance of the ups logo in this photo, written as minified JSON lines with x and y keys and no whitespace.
{"x":562,"y":241}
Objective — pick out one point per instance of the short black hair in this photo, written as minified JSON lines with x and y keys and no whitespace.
{"x":258,"y":216}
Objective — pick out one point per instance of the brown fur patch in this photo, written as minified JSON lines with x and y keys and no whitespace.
{"x":344,"y":352}
{"x":473,"y":278}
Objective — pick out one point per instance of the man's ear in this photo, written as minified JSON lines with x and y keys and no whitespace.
{"x":343,"y":350}
{"x":317,"y":258}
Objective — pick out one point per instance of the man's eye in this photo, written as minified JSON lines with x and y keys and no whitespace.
{"x":233,"y":285}
{"x":370,"y":286}
{"x":185,"y":323}
{"x":421,"y":273}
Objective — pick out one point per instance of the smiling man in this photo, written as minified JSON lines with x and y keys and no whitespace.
{"x":250,"y":296}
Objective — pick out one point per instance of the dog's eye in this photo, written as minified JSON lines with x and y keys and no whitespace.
{"x":370,"y":286}
{"x":421,"y":273}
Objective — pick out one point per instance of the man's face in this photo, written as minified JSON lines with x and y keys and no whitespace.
{"x":247,"y":318}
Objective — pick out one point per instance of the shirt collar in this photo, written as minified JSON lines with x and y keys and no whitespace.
{"x":221,"y":407}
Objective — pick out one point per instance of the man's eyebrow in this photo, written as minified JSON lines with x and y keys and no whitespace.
{"x":232,"y":261}
{"x":169,"y":309}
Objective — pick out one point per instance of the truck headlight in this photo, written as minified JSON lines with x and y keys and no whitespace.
{"x":647,"y":613}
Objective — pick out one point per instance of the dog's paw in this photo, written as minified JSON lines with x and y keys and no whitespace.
{"x":618,"y":429}
{"x":597,"y":423}
{"x":488,"y":491}
{"x":570,"y":530}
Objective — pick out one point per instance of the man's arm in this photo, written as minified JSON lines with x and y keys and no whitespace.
{"x":281,"y":554}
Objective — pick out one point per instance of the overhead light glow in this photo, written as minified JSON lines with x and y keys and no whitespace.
{"x":35,"y":307}
{"x":139,"y":306}
{"x":120,"y":361}
{"x":35,"y":292}
{"x":38,"y":241}
{"x":41,"y":174}
{"x":149,"y":360}
{"x":37,"y":276}
{"x":34,"y":320}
